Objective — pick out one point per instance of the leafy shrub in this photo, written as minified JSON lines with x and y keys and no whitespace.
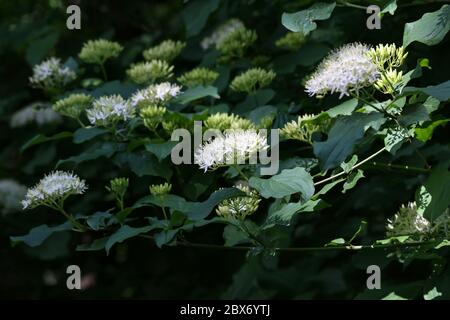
{"x":362,"y":177}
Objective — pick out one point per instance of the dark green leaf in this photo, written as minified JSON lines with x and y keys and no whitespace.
{"x":197,"y":93}
{"x":200,"y":210}
{"x":161,"y":150}
{"x":196,"y":14}
{"x":440,"y":91}
{"x":344,"y":134}
{"x":106,"y":149}
{"x":438,"y":186}
{"x":430,"y":29}
{"x":86,"y":134}
{"x":143,"y":164}
{"x":289,"y":181}
{"x":303,"y":21}
{"x":38,"y":139}
{"x":123,"y":233}
{"x":352,"y":180}
{"x":39,"y":234}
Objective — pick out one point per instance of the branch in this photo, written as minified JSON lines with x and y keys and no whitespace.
{"x":354,"y":167}
{"x":300,"y":249}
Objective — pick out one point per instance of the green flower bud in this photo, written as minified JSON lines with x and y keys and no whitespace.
{"x":73,"y":105}
{"x":224,"y":121}
{"x":386,"y":57}
{"x":292,"y":41}
{"x":98,"y":51}
{"x":149,"y":72}
{"x":389,"y":81}
{"x":198,"y":77}
{"x":266,"y":122}
{"x":239,"y":207}
{"x":167,"y":50}
{"x":153,"y":115}
{"x":304,"y":127}
{"x":235,"y":44}
{"x":160,"y":189}
{"x":252,"y":79}
{"x":118,"y":186}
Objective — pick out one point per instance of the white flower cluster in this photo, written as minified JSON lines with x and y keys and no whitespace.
{"x":344,"y":71}
{"x":221,"y":33}
{"x":52,"y":189}
{"x":11,"y":193}
{"x":38,"y":112}
{"x":156,"y":93}
{"x":407,"y":221}
{"x":51,"y":74}
{"x":235,"y":147}
{"x":108,"y":110}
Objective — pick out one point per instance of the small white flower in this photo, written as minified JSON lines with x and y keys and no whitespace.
{"x":344,"y":71}
{"x":11,"y":193}
{"x":109,"y":110}
{"x":51,"y":73}
{"x":38,"y":112}
{"x":235,"y":147}
{"x":156,"y":93}
{"x":221,"y":33}
{"x":53,"y":188}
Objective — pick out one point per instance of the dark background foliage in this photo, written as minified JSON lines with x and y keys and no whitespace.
{"x":32,"y":30}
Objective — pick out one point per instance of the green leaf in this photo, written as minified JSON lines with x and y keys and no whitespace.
{"x":99,"y":220}
{"x":171,"y":201}
{"x":348,"y":166}
{"x":438,"y":186}
{"x":303,"y":21}
{"x":123,"y":233}
{"x":86,"y":134}
{"x":393,"y":296}
{"x":254,"y":100}
{"x":38,"y":139}
{"x":39,"y":48}
{"x":444,"y":243}
{"x":352,"y":180}
{"x":328,"y":187}
{"x":425,"y":134}
{"x":96,"y":245}
{"x":430,"y":29}
{"x":161,"y":150}
{"x":344,"y":134}
{"x":200,"y":210}
{"x":397,"y":239}
{"x":196,"y":93}
{"x":284,"y":215}
{"x":233,"y":235}
{"x":336,"y":242}
{"x":440,"y":91}
{"x":346,"y":108}
{"x":143,"y":164}
{"x":308,"y":55}
{"x":395,"y":137}
{"x":289,"y":181}
{"x":106,"y":149}
{"x":390,"y":7}
{"x":164,"y":237}
{"x":432,"y":294}
{"x":196,"y":14}
{"x":39,"y":234}
{"x":115,"y":87}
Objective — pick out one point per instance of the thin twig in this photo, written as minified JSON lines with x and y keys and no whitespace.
{"x":354,"y":167}
{"x":299,"y":249}
{"x":397,"y":166}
